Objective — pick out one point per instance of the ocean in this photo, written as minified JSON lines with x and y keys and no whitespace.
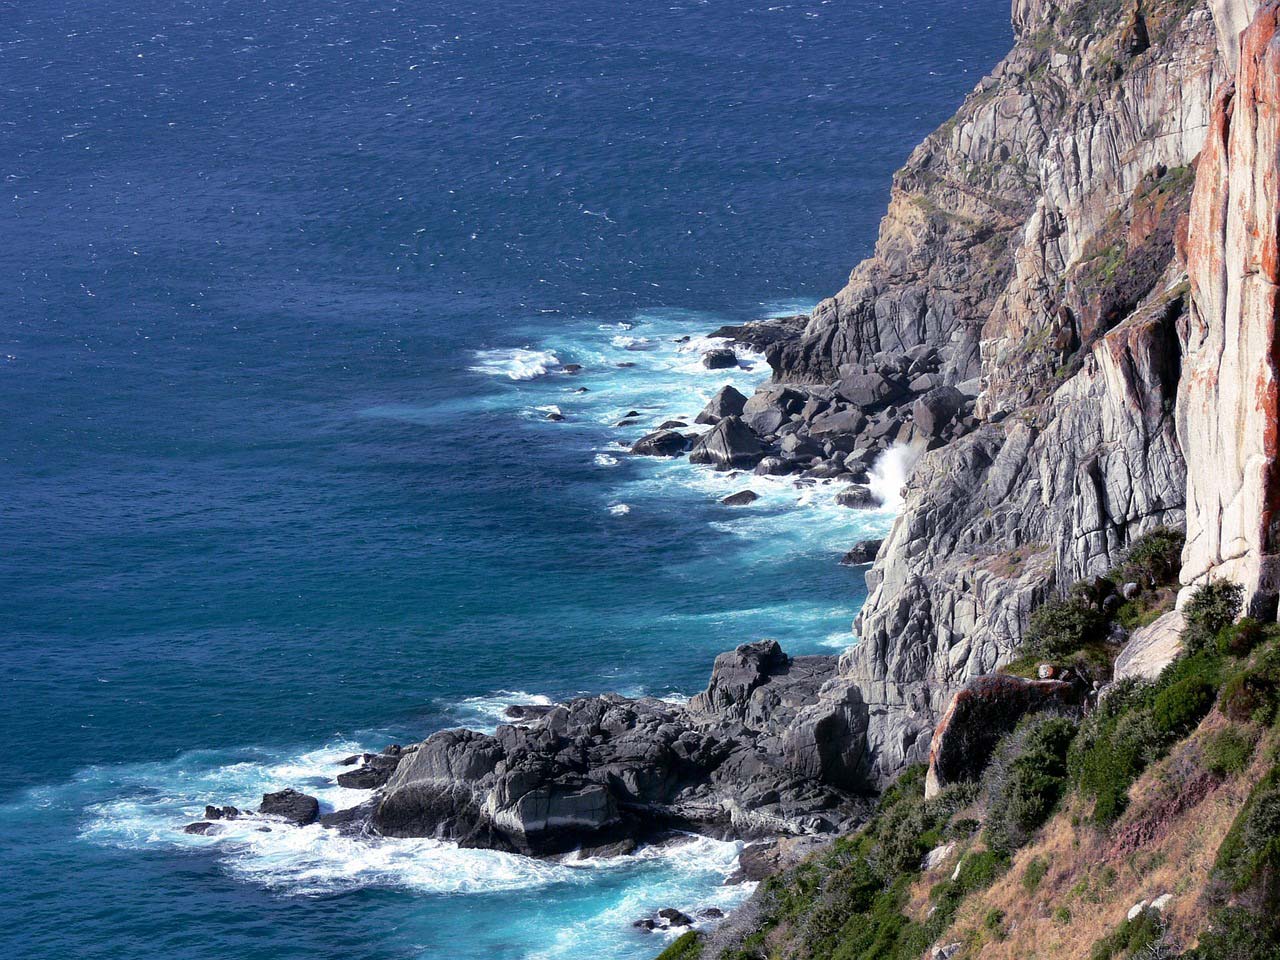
{"x":289,"y":290}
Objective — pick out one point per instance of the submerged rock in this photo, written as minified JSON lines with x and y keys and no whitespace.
{"x":741,"y":499}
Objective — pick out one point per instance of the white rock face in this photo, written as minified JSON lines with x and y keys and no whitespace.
{"x":1228,"y":409}
{"x":1151,"y":648}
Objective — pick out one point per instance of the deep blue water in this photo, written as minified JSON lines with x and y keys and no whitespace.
{"x":268,"y":489}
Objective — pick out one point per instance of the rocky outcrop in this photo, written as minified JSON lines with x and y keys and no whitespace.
{"x":982,"y":712}
{"x":748,"y":757}
{"x":1150,"y":649}
{"x":1029,"y":258}
{"x":1229,"y":399}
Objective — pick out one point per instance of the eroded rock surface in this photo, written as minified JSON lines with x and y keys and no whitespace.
{"x":748,"y":757}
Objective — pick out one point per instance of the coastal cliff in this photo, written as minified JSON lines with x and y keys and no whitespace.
{"x":1090,"y":245}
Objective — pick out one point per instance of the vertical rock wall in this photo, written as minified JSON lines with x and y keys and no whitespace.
{"x":1228,"y":401}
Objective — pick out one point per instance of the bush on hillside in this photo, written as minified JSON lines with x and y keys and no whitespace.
{"x":1131,"y":938}
{"x":1229,"y":751}
{"x":1026,"y":779}
{"x":1153,"y":559}
{"x":1238,"y":934}
{"x":1061,"y":627}
{"x":1211,"y":609}
{"x":1248,"y":859}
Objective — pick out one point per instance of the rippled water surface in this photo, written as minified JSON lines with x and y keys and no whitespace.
{"x":289,"y":287}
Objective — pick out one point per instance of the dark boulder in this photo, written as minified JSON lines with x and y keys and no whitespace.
{"x":937,"y":408}
{"x":220,"y":813}
{"x":864,"y":551}
{"x":796,"y":446}
{"x":868,"y":390}
{"x":672,"y":425}
{"x":555,"y":417}
{"x":824,"y":470}
{"x":291,"y":805}
{"x":771,"y":407}
{"x":376,"y":771}
{"x":202,"y":828}
{"x":527,"y":711}
{"x":661,"y":443}
{"x":762,"y":334}
{"x":774,"y":467}
{"x":674,"y":917}
{"x":727,"y":402}
{"x":848,"y":421}
{"x":721,"y":358}
{"x":741,"y":499}
{"x":857,"y":497}
{"x":353,"y":821}
{"x":982,"y":712}
{"x":729,"y":444}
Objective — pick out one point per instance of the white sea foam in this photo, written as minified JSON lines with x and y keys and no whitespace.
{"x":152,"y":802}
{"x":515,"y":364}
{"x":889,"y":474}
{"x":604,"y":460}
{"x":484,"y":713}
{"x":620,"y":509}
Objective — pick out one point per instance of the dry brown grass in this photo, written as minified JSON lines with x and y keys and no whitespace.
{"x":1095,"y":886}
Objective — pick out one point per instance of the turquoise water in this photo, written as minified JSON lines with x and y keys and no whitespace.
{"x":288,"y":288}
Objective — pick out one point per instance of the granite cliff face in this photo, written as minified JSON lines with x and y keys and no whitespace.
{"x":1032,"y":242}
{"x":1229,"y":399}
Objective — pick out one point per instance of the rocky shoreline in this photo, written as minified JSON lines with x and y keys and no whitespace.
{"x":771,"y":749}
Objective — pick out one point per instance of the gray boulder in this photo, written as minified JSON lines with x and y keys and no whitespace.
{"x":731,"y":444}
{"x":771,"y":407}
{"x":727,"y":402}
{"x":774,"y":467}
{"x":864,"y":551}
{"x":937,"y":408}
{"x":721,"y":358}
{"x":846,"y":421}
{"x":857,"y":497}
{"x":291,"y":805}
{"x":661,"y":443}
{"x":868,"y":390}
{"x":741,"y":499}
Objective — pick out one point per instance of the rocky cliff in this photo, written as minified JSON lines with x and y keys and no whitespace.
{"x":1228,"y":400}
{"x":1032,"y":241}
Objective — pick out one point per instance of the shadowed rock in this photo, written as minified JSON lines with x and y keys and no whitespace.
{"x":291,"y":805}
{"x":729,"y":445}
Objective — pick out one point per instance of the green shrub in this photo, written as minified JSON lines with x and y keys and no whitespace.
{"x":1153,"y":559}
{"x":1062,"y":915}
{"x":1229,"y":751}
{"x":1239,"y":639}
{"x":1131,"y":938}
{"x":1211,"y":609}
{"x":1253,"y":693}
{"x":1034,"y":873}
{"x":1025,"y":789}
{"x":1178,"y":708}
{"x":1238,"y":934}
{"x":1061,"y":627}
{"x":1249,"y":856}
{"x":687,"y":946}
